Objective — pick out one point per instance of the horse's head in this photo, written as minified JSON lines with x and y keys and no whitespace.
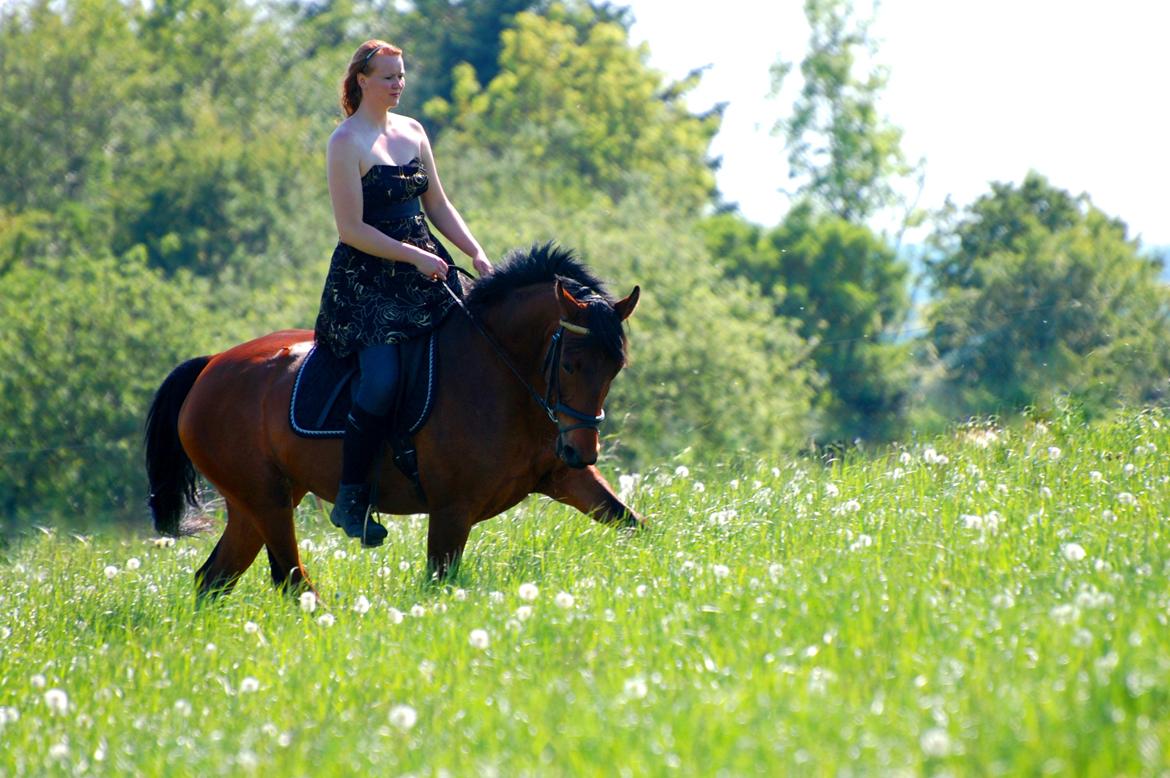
{"x":587,"y":350}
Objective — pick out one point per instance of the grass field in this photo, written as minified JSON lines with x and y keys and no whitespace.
{"x":993,"y":602}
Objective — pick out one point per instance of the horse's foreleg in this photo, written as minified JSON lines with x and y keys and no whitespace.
{"x":447,"y":533}
{"x":586,"y":490}
{"x":232,"y":555}
{"x":284,"y":559}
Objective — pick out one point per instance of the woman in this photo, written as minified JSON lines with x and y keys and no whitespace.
{"x":385,"y":279}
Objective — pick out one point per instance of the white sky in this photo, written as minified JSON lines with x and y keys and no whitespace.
{"x":1077,"y":90}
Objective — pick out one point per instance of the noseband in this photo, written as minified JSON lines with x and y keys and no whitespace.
{"x":552,"y":369}
{"x":551,"y":402}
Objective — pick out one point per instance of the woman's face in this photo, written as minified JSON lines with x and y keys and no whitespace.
{"x":385,"y":81}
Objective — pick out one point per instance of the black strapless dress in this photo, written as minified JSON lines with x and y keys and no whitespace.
{"x":368,"y":300}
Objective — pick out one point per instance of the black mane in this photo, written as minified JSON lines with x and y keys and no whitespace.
{"x":545,"y":264}
{"x":535,"y":265}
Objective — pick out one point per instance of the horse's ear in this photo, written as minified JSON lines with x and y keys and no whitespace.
{"x":569,"y":303}
{"x":625,"y":307}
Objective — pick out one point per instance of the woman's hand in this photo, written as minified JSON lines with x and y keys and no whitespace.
{"x":431,"y":265}
{"x":481,"y":263}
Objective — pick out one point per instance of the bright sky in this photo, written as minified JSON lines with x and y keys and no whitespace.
{"x":984,"y":91}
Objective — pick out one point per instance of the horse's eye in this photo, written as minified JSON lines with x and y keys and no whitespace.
{"x":568,"y":368}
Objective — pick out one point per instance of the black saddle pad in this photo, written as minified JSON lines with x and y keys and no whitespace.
{"x":325,"y":386}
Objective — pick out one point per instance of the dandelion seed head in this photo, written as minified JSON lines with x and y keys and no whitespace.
{"x":935,"y":742}
{"x":1073,"y":552}
{"x":111,"y":571}
{"x":524,"y":612}
{"x":682,"y":471}
{"x":308,"y":601}
{"x":361,"y":605}
{"x":396,"y":616}
{"x":564,"y":600}
{"x":326,"y":620}
{"x":251,"y":627}
{"x":636,"y":688}
{"x":720,"y":571}
{"x":133,"y":563}
{"x":37,"y":681}
{"x":57,"y":701}
{"x":1095,"y":476}
{"x":417,"y":611}
{"x":249,"y":685}
{"x":479,"y":638}
{"x":459,"y":595}
{"x":528,"y":592}
{"x":1054,"y":452}
{"x":403,"y":717}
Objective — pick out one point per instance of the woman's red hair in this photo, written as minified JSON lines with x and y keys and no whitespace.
{"x":351,"y":93}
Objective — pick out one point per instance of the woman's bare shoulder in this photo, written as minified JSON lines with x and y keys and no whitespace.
{"x":409,"y":125}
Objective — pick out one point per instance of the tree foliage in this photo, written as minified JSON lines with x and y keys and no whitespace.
{"x":846,"y":290}
{"x":845,"y":155}
{"x":584,"y":109}
{"x":1040,"y":292}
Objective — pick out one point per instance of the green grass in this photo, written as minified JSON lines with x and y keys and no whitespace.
{"x":992,"y":602}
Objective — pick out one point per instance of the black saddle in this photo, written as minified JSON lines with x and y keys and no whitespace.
{"x":325,"y":387}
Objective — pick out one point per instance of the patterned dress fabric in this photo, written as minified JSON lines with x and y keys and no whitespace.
{"x":368,"y":300}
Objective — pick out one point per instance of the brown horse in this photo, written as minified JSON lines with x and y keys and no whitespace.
{"x":524,"y":370}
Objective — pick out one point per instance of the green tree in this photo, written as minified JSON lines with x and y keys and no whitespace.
{"x":845,"y":155}
{"x":585,"y":113}
{"x":847,"y":292}
{"x":86,"y":341}
{"x":1042,"y":293}
{"x":68,"y":71}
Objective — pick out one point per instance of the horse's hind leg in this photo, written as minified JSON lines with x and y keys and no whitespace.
{"x":232,"y":555}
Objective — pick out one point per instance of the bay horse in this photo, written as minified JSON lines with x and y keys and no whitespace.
{"x":541,"y":325}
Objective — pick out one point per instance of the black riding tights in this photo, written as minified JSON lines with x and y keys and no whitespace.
{"x":365,"y":429}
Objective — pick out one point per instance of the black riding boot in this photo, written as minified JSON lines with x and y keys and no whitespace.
{"x":364,"y":434}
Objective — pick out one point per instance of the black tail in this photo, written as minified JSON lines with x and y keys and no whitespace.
{"x":169,"y":469}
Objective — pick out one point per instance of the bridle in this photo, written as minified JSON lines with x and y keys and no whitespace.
{"x":551,"y":402}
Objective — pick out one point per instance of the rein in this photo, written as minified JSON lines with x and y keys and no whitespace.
{"x":552,"y":367}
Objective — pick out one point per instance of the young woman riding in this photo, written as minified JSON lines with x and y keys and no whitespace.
{"x":385,"y":277}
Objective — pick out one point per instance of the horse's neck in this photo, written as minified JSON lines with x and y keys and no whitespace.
{"x":521,"y":325}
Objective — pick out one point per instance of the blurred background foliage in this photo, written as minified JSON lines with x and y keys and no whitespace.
{"x":162,"y":195}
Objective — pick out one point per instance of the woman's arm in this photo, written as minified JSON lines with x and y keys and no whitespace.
{"x":443,"y":214}
{"x":345,"y":193}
